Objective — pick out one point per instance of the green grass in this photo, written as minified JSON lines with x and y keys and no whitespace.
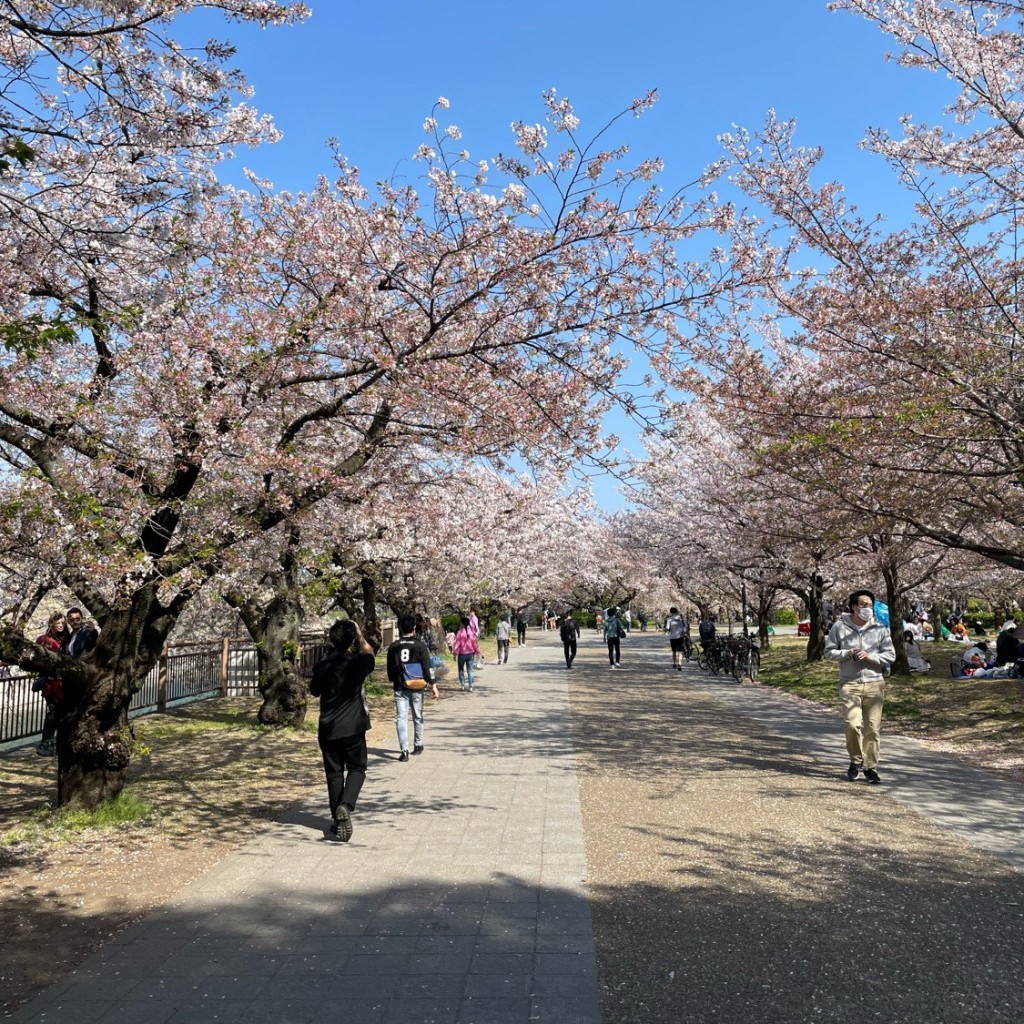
{"x":963,"y":710}
{"x":57,"y":825}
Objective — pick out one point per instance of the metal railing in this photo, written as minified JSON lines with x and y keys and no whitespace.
{"x":184,"y":673}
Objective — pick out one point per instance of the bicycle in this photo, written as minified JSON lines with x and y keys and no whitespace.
{"x":713,"y":657}
{"x":746,"y":657}
{"x":707,"y":658}
{"x":727,"y":656}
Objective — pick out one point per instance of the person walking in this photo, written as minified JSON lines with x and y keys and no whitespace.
{"x":474,"y":623}
{"x":339,"y":681}
{"x":864,"y":650}
{"x":503,"y":633}
{"x":521,"y":628}
{"x":465,"y":648}
{"x":408,"y":663}
{"x":570,"y":632}
{"x":675,"y":626}
{"x":613,"y":633}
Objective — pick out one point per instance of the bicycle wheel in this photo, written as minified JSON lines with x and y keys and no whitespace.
{"x":687,"y":649}
{"x":703,"y":662}
{"x":755,"y":664}
{"x":714,"y":662}
{"x":739,"y":665}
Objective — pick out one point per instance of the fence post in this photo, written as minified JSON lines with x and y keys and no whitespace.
{"x":161,"y":684}
{"x":224,"y":644}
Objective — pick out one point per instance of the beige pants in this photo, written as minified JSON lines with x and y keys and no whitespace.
{"x":863,"y":705}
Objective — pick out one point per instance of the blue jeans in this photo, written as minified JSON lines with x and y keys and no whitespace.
{"x":406,"y":701}
{"x":466,"y":668}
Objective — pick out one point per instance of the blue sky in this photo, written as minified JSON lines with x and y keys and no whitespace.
{"x":368,"y":73}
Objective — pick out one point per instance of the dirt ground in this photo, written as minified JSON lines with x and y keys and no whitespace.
{"x":734,"y":877}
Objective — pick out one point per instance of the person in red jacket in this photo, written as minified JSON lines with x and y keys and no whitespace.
{"x":53,"y":639}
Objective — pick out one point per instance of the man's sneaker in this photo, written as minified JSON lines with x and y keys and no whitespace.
{"x":853,"y":771}
{"x":872,"y":776}
{"x":418,"y":749}
{"x":404,"y":755}
{"x":47,"y":749}
{"x":343,"y":823}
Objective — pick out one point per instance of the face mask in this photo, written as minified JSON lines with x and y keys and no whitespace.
{"x":864,"y":614}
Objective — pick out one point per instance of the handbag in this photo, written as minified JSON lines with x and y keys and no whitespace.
{"x":412,"y":680}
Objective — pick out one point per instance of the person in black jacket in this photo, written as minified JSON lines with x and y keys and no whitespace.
{"x":410,"y":674}
{"x":570,"y":634}
{"x":338,"y":681}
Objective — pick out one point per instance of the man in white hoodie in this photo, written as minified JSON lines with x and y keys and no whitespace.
{"x":864,"y":650}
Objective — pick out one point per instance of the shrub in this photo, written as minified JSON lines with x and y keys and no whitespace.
{"x":784,"y":617}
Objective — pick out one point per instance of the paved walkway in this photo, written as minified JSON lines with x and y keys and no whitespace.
{"x":463,"y":895}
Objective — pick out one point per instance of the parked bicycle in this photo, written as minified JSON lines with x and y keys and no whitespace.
{"x":714,"y":657}
{"x":746,"y":656}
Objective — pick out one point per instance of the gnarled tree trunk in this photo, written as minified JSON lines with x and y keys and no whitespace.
{"x":278,"y":647}
{"x":94,"y":735}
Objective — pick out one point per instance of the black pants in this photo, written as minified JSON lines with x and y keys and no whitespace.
{"x":502,"y":651}
{"x":570,"y":651}
{"x":50,"y":722}
{"x":613,"y":650}
{"x":521,"y":633}
{"x":345,"y":768}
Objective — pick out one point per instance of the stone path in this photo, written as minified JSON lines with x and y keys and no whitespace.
{"x":461,"y":897}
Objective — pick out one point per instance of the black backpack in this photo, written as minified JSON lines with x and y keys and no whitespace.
{"x":568,"y":631}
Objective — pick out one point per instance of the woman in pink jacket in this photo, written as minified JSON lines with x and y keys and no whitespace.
{"x":465,"y":649}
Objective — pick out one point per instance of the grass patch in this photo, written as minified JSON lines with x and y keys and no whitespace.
{"x":932,"y":703}
{"x":47,"y":824}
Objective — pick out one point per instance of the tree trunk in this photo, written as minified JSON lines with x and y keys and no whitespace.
{"x":815,"y":612}
{"x":370,"y":625}
{"x":93,"y":747}
{"x":765,"y":603}
{"x":278,"y":636}
{"x":894,"y":599}
{"x":94,"y":735}
{"x":273,"y":618}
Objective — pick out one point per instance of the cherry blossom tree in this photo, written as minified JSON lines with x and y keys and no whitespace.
{"x":298,"y":348}
{"x":888,"y":375}
{"x":110,"y":131}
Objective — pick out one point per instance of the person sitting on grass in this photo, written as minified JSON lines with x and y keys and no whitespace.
{"x":975,"y":657}
{"x":915,"y":659}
